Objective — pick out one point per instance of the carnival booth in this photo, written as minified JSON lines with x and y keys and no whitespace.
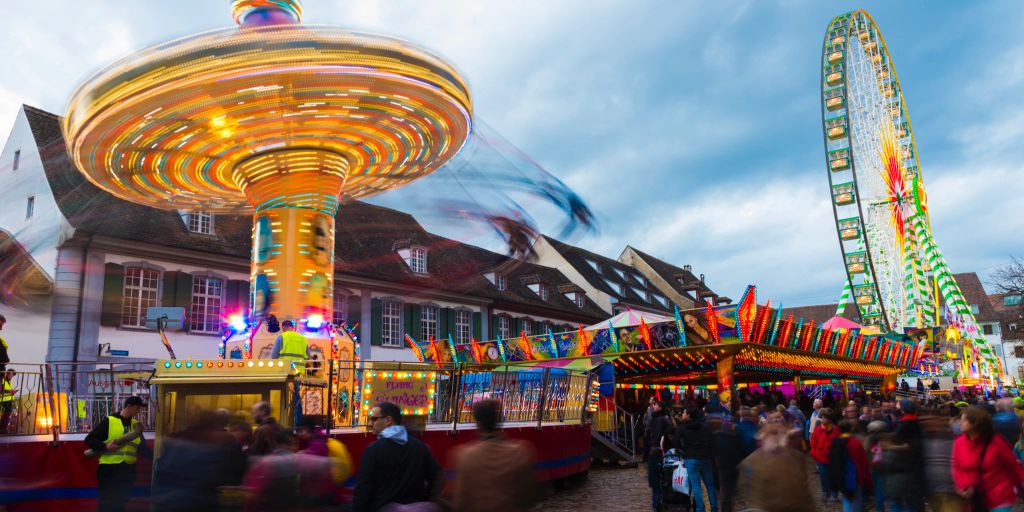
{"x":713,"y":350}
{"x":185,"y":388}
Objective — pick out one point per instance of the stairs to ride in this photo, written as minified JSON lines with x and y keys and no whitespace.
{"x":614,"y":434}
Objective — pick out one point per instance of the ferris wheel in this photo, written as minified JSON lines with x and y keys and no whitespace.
{"x":895,"y":272}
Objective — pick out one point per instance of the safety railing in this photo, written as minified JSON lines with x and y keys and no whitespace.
{"x":55,"y":398}
{"x":71,"y":397}
{"x":619,"y":429}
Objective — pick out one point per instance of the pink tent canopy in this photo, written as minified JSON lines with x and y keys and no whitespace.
{"x":630,"y":318}
{"x":838,"y":322}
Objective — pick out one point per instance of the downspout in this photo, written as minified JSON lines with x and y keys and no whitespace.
{"x":78,"y":319}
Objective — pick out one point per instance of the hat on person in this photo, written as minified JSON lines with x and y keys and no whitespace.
{"x":876,"y":426}
{"x":134,"y":400}
{"x":908,"y":406}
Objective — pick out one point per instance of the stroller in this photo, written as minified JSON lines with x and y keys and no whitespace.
{"x":671,"y":496}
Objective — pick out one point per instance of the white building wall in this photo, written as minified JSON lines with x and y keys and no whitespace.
{"x":145,"y":343}
{"x":25,"y":331}
{"x":44,"y":232}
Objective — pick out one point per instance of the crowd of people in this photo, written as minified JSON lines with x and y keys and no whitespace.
{"x":961,"y":452}
{"x":219,"y":462}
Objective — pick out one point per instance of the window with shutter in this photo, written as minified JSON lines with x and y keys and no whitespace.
{"x":463,"y":327}
{"x":141,"y":289}
{"x":207,"y":304}
{"x":340,"y":313}
{"x":504,"y":326}
{"x":113,"y":295}
{"x":391,"y":323}
{"x":528,"y":326}
{"x":428,"y":322}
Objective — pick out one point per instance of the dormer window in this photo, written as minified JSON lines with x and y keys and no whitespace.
{"x":640,"y":293}
{"x":593,"y":265}
{"x":500,"y":282}
{"x":416,"y":258}
{"x":622,"y":275}
{"x":200,"y":222}
{"x":616,"y":287}
{"x":660,"y":300}
{"x":577,"y":297}
{"x":640,"y":279}
{"x":540,"y":289}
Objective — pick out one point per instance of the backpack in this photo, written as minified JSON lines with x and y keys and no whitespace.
{"x":842,"y":471}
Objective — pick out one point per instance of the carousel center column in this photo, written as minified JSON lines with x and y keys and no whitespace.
{"x":295,"y":193}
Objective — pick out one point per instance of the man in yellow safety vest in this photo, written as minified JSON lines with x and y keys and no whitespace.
{"x":291,"y":345}
{"x":115,"y":475}
{"x":7,"y":400}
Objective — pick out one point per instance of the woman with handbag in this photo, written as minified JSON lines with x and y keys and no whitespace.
{"x":985,"y":470}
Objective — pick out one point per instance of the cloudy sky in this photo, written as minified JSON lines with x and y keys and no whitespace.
{"x":691,"y":127}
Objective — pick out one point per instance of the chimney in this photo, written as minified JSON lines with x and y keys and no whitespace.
{"x":702,"y":278}
{"x":688,"y":268}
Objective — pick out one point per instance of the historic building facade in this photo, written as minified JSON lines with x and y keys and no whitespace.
{"x":80,"y":268}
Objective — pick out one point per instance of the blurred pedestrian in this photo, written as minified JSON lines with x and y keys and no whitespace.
{"x":728,"y":451}
{"x":812,"y":423}
{"x":746,"y":429}
{"x":847,"y":467}
{"x":985,"y":471}
{"x":905,"y":454}
{"x":658,"y":439}
{"x":115,"y":474}
{"x":798,"y":418}
{"x":493,"y":473}
{"x":774,"y":477}
{"x":396,"y":468}
{"x":314,"y":441}
{"x":267,"y":430}
{"x":194,"y":464}
{"x":876,"y":462}
{"x":1018,"y":447}
{"x":693,"y":437}
{"x":285,"y":481}
{"x":821,"y":443}
{"x":242,"y":432}
{"x":937,"y":446}
{"x":1006,"y":422}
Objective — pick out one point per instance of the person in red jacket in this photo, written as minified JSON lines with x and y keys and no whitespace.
{"x":984,"y":466}
{"x":821,"y":443}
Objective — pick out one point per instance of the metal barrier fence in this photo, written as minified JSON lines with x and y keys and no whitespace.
{"x":55,"y":398}
{"x":71,"y":397}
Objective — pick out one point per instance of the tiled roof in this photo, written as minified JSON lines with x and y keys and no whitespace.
{"x":609,"y":271}
{"x":365,"y":242}
{"x":974,"y":293}
{"x":821,"y":313}
{"x":672,"y":274}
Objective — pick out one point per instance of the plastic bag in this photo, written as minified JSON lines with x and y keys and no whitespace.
{"x":680,"y":481}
